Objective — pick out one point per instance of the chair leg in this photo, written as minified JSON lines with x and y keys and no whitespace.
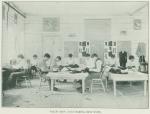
{"x":106,"y":82}
{"x":103,"y":85}
{"x":40,"y":83}
{"x":91,"y":89}
{"x":29,"y":81}
{"x":16,"y":82}
{"x":26,"y":82}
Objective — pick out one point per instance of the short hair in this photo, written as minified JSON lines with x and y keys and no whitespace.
{"x":21,"y":56}
{"x":35,"y":55}
{"x":131,"y":57}
{"x":94,"y":55}
{"x":87,"y":55}
{"x":58,"y":57}
{"x":47,"y":55}
{"x":70,"y":55}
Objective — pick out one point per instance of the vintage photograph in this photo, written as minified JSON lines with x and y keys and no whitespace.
{"x":75,"y":54}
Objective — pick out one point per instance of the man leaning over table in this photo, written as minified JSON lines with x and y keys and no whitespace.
{"x":20,"y":67}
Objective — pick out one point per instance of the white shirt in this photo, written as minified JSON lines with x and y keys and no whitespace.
{"x":89,"y":63}
{"x":70,"y":61}
{"x":131,"y":63}
{"x":58,"y":63}
{"x":34,"y":62}
{"x":22,"y":64}
{"x":98,"y":66}
{"x":111,"y":62}
{"x":44,"y":65}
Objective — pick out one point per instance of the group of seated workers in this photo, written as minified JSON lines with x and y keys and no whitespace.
{"x":93,"y":65}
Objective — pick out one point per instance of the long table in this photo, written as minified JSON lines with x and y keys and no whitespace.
{"x":131,"y":76}
{"x":52,"y":76}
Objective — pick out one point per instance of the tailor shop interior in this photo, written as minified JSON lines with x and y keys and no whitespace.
{"x":82,"y":47}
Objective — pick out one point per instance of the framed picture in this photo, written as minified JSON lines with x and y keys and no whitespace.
{"x":137,"y":24}
{"x":51,"y":24}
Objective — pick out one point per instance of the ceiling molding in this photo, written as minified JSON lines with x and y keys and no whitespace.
{"x":138,"y":9}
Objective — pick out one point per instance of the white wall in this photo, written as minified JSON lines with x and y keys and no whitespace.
{"x":75,"y":24}
{"x":12,"y":35}
{"x":69,"y":25}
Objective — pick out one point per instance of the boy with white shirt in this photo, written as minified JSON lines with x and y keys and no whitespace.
{"x":131,"y":64}
{"x":70,"y":60}
{"x":94,"y":71}
{"x":35,"y":60}
{"x":34,"y":64}
{"x":45,"y":63}
{"x":88,"y":61}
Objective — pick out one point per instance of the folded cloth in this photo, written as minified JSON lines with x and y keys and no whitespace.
{"x":75,"y":71}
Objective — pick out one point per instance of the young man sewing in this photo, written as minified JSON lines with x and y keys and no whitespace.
{"x":94,"y":72}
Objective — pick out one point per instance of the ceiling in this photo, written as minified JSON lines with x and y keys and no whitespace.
{"x":78,"y":8}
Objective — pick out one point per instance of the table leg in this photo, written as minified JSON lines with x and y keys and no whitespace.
{"x":106,"y":83}
{"x":49,"y":83}
{"x":145,"y":87}
{"x":114,"y":83}
{"x":52,"y":81}
{"x":83,"y":86}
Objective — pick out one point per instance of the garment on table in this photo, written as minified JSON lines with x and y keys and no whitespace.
{"x":123,"y":58}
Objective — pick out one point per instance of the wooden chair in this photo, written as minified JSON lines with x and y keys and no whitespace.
{"x":43,"y":79}
{"x":98,"y":82}
{"x":24,"y":79}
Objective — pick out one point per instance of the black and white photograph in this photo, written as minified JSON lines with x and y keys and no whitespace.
{"x":75,"y":54}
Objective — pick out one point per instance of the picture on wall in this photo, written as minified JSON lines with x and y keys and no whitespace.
{"x":51,"y":24}
{"x":110,"y":48}
{"x":84,"y":48}
{"x":137,"y":24}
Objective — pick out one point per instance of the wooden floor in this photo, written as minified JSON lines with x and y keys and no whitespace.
{"x":127,"y":97}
